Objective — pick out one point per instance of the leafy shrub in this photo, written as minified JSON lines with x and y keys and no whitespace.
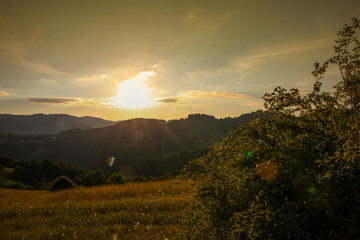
{"x":294,"y":174}
{"x":117,"y":178}
{"x":95,"y":178}
{"x":62,"y":183}
{"x":18,"y":185}
{"x":7,"y":161}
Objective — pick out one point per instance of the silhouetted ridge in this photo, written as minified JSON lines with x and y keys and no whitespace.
{"x":47,"y":123}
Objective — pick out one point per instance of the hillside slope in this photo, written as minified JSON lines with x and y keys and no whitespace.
{"x":47,"y":123}
{"x":132,"y":144}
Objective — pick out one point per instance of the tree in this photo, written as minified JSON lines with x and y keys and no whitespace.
{"x":294,"y":174}
{"x":117,"y":178}
{"x":62,"y":183}
{"x":95,"y":178}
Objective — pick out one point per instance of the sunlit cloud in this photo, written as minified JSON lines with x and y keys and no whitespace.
{"x":144,"y":75}
{"x":15,"y":53}
{"x":197,"y":94}
{"x":92,"y":78}
{"x":215,"y":94}
{"x":52,"y":100}
{"x":4,"y":93}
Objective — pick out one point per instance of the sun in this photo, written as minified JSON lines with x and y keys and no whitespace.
{"x":133,"y":94}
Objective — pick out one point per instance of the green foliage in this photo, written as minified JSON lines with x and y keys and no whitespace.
{"x":18,"y":185}
{"x":62,"y":183}
{"x":170,"y":163}
{"x":117,"y":178}
{"x":294,"y":174}
{"x":95,"y":178}
{"x":38,"y":173}
{"x":7,"y":161}
{"x":43,"y":185}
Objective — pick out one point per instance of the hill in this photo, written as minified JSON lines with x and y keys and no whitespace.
{"x":127,"y":146}
{"x":47,"y":123}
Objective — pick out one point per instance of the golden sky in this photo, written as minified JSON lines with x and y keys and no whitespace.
{"x":161,"y":58}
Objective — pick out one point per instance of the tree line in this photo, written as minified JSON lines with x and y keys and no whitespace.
{"x":56,"y":175}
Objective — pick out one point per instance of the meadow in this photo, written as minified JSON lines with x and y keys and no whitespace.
{"x":148,"y":210}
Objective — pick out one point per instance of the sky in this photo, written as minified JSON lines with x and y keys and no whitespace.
{"x":161,"y":59}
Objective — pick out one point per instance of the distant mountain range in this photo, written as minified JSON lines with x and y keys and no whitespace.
{"x":47,"y":123}
{"x":134,"y":147}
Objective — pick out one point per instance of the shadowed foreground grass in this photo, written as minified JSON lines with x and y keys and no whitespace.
{"x":151,"y":210}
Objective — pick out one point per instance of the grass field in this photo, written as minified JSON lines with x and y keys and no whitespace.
{"x":151,"y":210}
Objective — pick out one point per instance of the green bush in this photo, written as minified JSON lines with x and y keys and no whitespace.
{"x":294,"y":174}
{"x":95,"y":178}
{"x":62,"y":183}
{"x":17,"y":185}
{"x":117,"y":178}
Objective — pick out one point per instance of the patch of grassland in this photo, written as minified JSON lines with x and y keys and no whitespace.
{"x":151,"y":210}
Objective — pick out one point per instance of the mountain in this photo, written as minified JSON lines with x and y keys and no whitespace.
{"x":47,"y":123}
{"x":126,"y":146}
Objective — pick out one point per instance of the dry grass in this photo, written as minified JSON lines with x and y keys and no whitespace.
{"x":150,"y":210}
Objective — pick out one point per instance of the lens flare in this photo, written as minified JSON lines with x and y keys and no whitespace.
{"x":248,"y":153}
{"x":110,"y":161}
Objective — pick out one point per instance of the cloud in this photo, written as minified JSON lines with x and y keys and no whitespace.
{"x":251,"y":103}
{"x":15,"y":53}
{"x":246,"y":63}
{"x":250,"y":69}
{"x":168,"y":100}
{"x":54,"y":101}
{"x":205,"y":19}
{"x":72,"y":101}
{"x":2,"y":22}
{"x":215,"y":94}
{"x":92,"y":78}
{"x":4,"y":93}
{"x":145,"y":75}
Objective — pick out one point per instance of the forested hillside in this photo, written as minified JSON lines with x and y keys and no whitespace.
{"x":127,"y":146}
{"x":47,"y":123}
